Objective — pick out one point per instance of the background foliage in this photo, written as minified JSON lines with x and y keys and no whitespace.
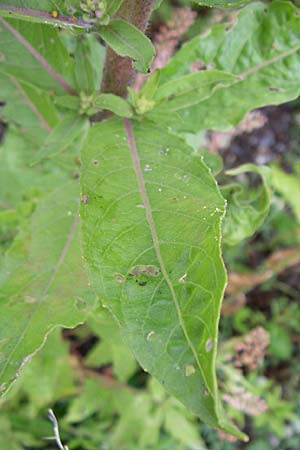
{"x":102,"y":396}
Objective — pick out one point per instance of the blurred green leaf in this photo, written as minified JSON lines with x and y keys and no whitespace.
{"x":288,"y":185}
{"x":71,"y":128}
{"x":93,"y":398}
{"x":111,"y":348}
{"x":246,"y":207}
{"x":43,"y":284}
{"x":88,"y":63}
{"x":35,"y":54}
{"x":117,"y":105}
{"x":49,"y":376}
{"x":280,"y":342}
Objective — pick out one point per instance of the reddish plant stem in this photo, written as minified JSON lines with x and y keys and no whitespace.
{"x":60,"y":20}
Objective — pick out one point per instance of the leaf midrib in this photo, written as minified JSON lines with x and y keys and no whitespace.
{"x":152,"y":227}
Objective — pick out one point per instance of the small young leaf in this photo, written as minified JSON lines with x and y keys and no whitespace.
{"x":127,"y":40}
{"x":151,"y":85}
{"x":88,"y":63}
{"x":68,"y":102}
{"x":117,"y":105}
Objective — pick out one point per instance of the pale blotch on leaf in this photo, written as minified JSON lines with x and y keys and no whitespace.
{"x":205,"y":392}
{"x":183,"y":278}
{"x":84,"y":198}
{"x":149,"y":270}
{"x":163,"y":151}
{"x":29,"y":299}
{"x":119,"y":277}
{"x":147,"y":168}
{"x":208,"y":345}
{"x":150,"y":336}
{"x":189,"y":370}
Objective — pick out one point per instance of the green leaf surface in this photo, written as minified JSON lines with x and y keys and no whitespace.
{"x":117,"y":105}
{"x":19,"y":181}
{"x":42,"y":280}
{"x":261,"y":47}
{"x":35,"y":54}
{"x":175,"y":98}
{"x":28,"y":109}
{"x":71,"y":128}
{"x":49,"y":376}
{"x":88,"y":63}
{"x":247,"y":206}
{"x":127,"y":40}
{"x":151,"y":239}
{"x":111,"y":347}
{"x":288,"y":185}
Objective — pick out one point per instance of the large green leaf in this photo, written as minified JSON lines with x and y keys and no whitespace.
{"x":127,"y":40}
{"x":35,"y":54}
{"x":151,"y":238}
{"x":43,"y":284}
{"x":261,"y":48}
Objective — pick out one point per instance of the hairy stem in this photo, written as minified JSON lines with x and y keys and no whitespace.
{"x":118,"y":72}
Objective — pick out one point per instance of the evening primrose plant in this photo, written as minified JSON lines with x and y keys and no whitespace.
{"x":124,"y":213}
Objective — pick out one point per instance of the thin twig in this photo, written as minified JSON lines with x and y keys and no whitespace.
{"x":53,"y":419}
